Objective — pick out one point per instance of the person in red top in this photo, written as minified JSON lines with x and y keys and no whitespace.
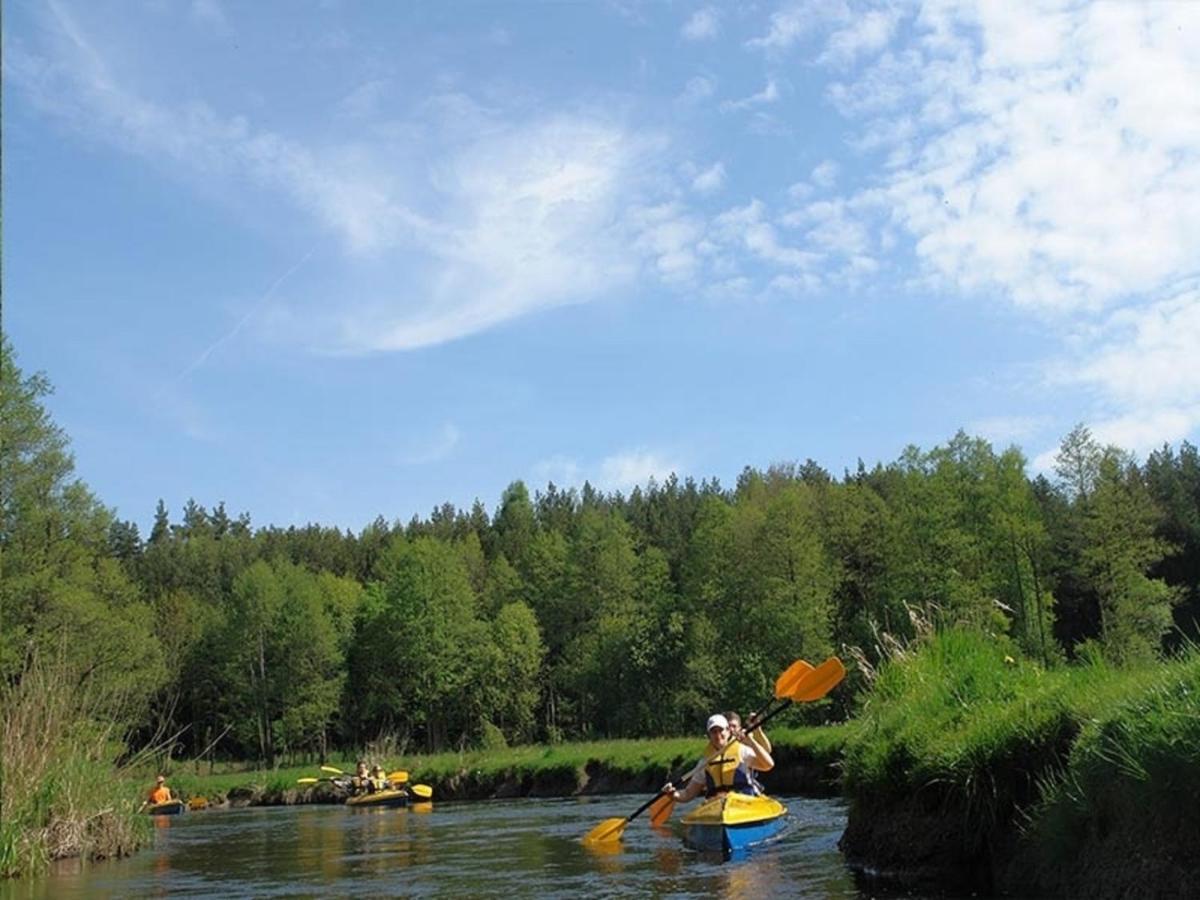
{"x":160,"y":792}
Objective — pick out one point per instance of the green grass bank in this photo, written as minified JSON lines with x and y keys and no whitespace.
{"x":969,"y":770}
{"x":806,"y":763}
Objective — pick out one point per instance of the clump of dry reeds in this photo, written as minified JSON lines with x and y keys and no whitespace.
{"x":59,"y":789}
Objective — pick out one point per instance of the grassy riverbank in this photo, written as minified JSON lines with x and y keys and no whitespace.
{"x":806,"y":762}
{"x":968,"y":768}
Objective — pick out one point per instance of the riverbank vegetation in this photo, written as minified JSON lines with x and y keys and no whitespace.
{"x":971,"y":767}
{"x":564,"y":614}
{"x":808,"y":760}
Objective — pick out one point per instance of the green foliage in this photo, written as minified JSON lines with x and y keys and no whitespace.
{"x":416,"y":663}
{"x":1111,"y":545}
{"x":284,"y":662}
{"x":1001,"y":742}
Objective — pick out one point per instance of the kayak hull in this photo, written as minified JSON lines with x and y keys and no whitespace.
{"x":169,"y":808}
{"x":378,"y":799}
{"x":733,"y":822}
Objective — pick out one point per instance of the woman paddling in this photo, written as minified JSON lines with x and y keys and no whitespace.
{"x":728,"y":764}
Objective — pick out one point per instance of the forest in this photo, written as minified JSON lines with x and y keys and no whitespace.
{"x":565,"y":612}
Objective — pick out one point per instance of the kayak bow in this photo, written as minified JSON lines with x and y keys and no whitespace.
{"x":731,"y":822}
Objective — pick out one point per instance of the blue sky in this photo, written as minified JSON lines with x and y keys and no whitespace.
{"x":332,"y":260}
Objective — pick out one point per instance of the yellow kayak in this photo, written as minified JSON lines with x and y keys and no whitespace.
{"x":731,"y":822}
{"x":379,"y":798}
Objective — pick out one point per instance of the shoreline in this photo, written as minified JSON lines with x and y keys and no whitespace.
{"x":806,"y":764}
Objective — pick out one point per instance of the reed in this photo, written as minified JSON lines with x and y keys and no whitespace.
{"x":57,"y":786}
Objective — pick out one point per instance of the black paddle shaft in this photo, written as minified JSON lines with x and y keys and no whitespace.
{"x":787,"y":701}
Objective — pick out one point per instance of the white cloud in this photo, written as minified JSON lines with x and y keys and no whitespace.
{"x":863,"y":34}
{"x":1144,"y":365}
{"x":671,"y":238}
{"x":702,"y":26}
{"x":698,"y":88}
{"x":620,"y":471}
{"x":832,"y":227}
{"x":749,"y":227}
{"x":769,"y":94}
{"x":825,"y":174}
{"x":537,"y":224}
{"x":623,"y":471}
{"x":1051,"y":160}
{"x":1056,"y":158}
{"x":710,"y":179}
{"x":791,"y":24}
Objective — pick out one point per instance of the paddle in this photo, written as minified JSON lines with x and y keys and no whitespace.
{"x":333,"y":770}
{"x":420,"y":791}
{"x":800,"y":682}
{"x":802,"y":686}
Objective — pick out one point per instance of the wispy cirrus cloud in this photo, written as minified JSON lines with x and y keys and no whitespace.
{"x":74,"y":81}
{"x":516,"y":215}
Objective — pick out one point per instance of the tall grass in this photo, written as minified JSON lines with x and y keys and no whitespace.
{"x":1129,"y":792}
{"x":1036,"y":765}
{"x":57,"y":787}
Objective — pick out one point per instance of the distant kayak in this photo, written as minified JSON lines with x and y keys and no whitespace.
{"x":169,"y":808}
{"x":379,"y":798}
{"x":732,"y":822}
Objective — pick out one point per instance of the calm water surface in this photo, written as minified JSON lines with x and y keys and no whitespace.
{"x":524,"y":847}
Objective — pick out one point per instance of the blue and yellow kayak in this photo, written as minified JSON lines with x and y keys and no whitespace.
{"x":731,"y":822}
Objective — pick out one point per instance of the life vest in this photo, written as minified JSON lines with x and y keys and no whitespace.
{"x":723,"y":771}
{"x":160,"y":795}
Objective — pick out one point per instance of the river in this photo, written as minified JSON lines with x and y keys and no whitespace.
{"x":527,"y":847}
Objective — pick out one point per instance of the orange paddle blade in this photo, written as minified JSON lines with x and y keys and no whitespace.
{"x":606,"y":831}
{"x":820,"y":681}
{"x":661,"y":809}
{"x":787,"y":681}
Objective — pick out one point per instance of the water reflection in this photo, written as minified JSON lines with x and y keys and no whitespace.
{"x":530,"y":847}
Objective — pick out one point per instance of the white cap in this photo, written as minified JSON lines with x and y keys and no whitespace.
{"x":716,"y":721}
